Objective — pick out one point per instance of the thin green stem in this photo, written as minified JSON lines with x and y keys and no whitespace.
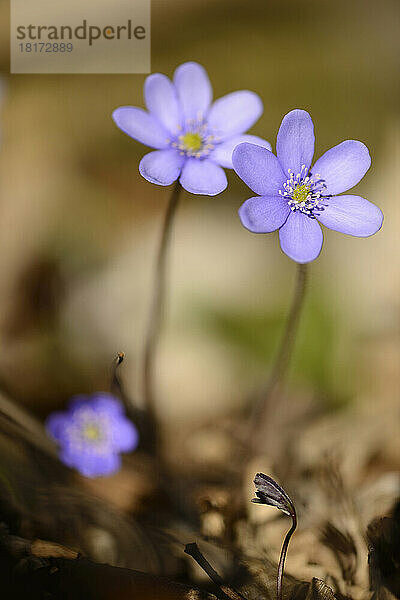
{"x":157,"y":304}
{"x":285,"y":351}
{"x":282,"y":557}
{"x":287,"y":343}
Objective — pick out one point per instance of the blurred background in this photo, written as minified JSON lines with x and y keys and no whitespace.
{"x":79,"y":226}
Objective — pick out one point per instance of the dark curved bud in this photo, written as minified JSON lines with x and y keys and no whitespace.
{"x":270,"y":493}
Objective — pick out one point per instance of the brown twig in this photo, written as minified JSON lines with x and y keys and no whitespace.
{"x":227,"y":592}
{"x":44,"y":569}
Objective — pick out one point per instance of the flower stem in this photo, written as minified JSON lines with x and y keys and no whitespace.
{"x":285,"y":351}
{"x":157,"y":305}
{"x":286,"y":348}
{"x":282,"y":557}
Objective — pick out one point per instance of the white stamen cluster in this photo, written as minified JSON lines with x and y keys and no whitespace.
{"x":194,"y":139}
{"x":83,"y":421}
{"x":303,"y":192}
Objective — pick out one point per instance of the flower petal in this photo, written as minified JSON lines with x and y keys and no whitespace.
{"x":162,"y":101}
{"x":222,"y":154}
{"x":295,"y":141}
{"x":301,"y":237}
{"x":69,"y":457}
{"x":343,"y":166}
{"x":263,"y":214}
{"x":125,"y":436}
{"x":100,"y":466}
{"x":352,"y":215}
{"x":56,"y":424}
{"x":107,"y":404}
{"x":234,"y":113}
{"x":203,"y":177}
{"x":77,"y":402}
{"x":161,"y":167}
{"x":194,"y":90}
{"x":259,"y":169}
{"x":91,"y":464}
{"x":141,"y":126}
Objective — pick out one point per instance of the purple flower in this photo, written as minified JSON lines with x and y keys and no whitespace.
{"x":193,"y":138}
{"x":294,"y":197}
{"x":92,"y":433}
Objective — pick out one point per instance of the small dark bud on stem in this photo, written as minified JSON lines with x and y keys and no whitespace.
{"x":270,"y":493}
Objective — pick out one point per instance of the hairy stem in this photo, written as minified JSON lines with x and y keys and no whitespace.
{"x":157,"y":304}
{"x":282,"y":557}
{"x":285,"y":351}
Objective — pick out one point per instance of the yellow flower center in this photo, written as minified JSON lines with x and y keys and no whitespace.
{"x":301,"y":193}
{"x":92,"y":433}
{"x":192,"y":141}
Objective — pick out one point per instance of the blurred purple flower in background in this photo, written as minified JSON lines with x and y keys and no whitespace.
{"x":293,"y":196}
{"x":92,"y":433}
{"x":193,"y":137}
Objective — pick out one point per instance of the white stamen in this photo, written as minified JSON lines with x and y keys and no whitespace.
{"x":310,"y":191}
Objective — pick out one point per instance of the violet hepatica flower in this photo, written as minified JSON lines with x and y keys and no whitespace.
{"x":92,"y":433}
{"x":295,"y":197}
{"x":193,"y":138}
